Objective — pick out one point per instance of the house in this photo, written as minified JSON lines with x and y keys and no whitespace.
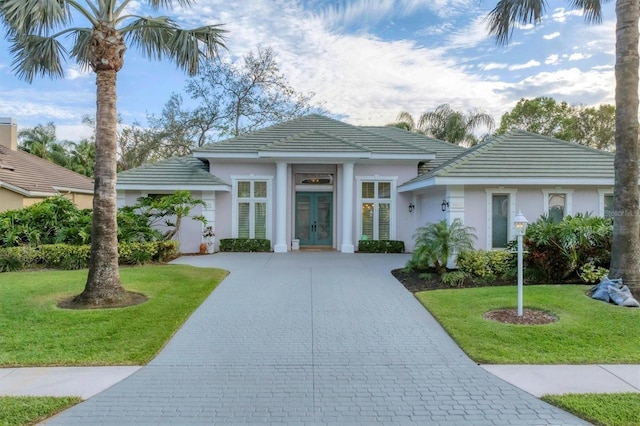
{"x":26,"y":179}
{"x":318,"y":182}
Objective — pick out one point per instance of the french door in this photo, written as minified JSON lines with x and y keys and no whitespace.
{"x":314,"y":223}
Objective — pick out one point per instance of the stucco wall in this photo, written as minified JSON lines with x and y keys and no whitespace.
{"x":10,"y":200}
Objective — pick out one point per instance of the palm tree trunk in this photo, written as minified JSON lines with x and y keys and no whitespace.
{"x":103,"y":283}
{"x":625,"y":253}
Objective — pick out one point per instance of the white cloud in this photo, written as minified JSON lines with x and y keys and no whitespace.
{"x":551,"y":36}
{"x":532,"y":63}
{"x":470,"y":36}
{"x":76,"y":72}
{"x":578,"y":56}
{"x":73,"y":132}
{"x":493,"y":66}
{"x":561,"y":14}
{"x":552,"y":60}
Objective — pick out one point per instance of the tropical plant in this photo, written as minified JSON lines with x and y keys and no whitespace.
{"x":447,"y":124}
{"x":625,"y":252}
{"x":436,"y":242}
{"x":169,"y":209}
{"x":557,"y":250}
{"x":35,"y":28}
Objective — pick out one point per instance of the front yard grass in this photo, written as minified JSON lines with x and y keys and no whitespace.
{"x":587,"y":332}
{"x":28,"y":410}
{"x":34,"y":332}
{"x":617,"y":409}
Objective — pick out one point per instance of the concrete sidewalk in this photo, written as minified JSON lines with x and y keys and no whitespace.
{"x":537,"y":380}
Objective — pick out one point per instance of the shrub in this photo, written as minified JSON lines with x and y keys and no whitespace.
{"x":245,"y":244}
{"x":9,"y":262}
{"x":486,"y":264}
{"x":380,"y":246}
{"x":64,"y":256}
{"x":436,"y":242}
{"x":557,"y":250}
{"x":590,"y":274}
{"x":454,"y":278}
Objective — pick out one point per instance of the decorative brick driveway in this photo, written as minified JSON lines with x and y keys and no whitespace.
{"x":311,"y":338}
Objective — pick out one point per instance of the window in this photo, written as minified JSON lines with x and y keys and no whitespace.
{"x":500,"y":214}
{"x":377,"y":209}
{"x":251,"y":207}
{"x":557,"y":203}
{"x":605,"y":201}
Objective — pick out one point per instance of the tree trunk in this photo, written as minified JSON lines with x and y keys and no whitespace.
{"x":625,"y":252}
{"x":103,"y":283}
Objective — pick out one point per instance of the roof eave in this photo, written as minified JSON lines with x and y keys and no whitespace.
{"x":173,"y":187}
{"x":26,"y":192}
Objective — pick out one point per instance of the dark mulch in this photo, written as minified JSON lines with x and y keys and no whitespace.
{"x":415,"y":281}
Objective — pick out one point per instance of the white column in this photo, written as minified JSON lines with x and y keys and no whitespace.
{"x":281,"y":209}
{"x":347,"y":208}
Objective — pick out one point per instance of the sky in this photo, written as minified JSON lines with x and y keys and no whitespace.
{"x":365,"y":60}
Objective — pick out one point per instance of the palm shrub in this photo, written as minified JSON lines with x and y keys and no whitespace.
{"x":436,"y":242}
{"x":558,"y":251}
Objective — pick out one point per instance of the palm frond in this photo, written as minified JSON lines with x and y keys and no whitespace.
{"x":35,"y":54}
{"x":80,"y":50}
{"x":184,"y":46}
{"x":168,"y":4}
{"x":150,"y":35}
{"x":592,"y":9}
{"x":509,"y":12}
{"x":34,"y":16}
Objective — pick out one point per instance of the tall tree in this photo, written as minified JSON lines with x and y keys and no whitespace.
{"x":448,"y":124}
{"x":625,"y":251}
{"x":35,"y":28}
{"x":38,"y":140}
{"x":594,"y":127}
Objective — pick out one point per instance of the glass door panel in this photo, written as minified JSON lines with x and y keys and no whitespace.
{"x":314,"y":222}
{"x":499,"y":220}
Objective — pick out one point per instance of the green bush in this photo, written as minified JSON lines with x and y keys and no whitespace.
{"x":67,"y":256}
{"x":245,"y":244}
{"x":486,"y":264}
{"x":380,"y":246}
{"x":556,"y":251}
{"x":436,"y":242}
{"x":454,"y":278}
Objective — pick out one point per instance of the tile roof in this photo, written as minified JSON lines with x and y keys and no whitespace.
{"x":316,"y":134}
{"x":523,"y":155}
{"x":35,"y":176}
{"x":183,"y":172}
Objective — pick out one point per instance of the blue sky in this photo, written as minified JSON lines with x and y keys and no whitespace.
{"x":366,"y":60}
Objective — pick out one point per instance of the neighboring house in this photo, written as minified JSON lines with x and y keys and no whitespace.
{"x":26,"y":179}
{"x":327,"y":184}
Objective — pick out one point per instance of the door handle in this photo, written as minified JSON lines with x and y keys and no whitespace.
{"x":313,"y":227}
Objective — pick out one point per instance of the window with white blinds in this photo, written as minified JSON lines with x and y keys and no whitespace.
{"x":377,"y":205}
{"x":251,"y":199}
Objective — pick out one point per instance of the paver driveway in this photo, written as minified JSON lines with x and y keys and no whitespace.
{"x":311,"y":338}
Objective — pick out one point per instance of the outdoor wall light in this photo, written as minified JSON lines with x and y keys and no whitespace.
{"x":412,"y":207}
{"x":444,"y":205}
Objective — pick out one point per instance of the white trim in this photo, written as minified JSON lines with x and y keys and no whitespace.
{"x":280,"y":244}
{"x":511,"y":193}
{"x":313,"y":188}
{"x":602,"y":192}
{"x":347,"y":209}
{"x":437,"y":180}
{"x":234,"y":203}
{"x":74,"y":190}
{"x":393,"y":180}
{"x":568,"y":200}
{"x":26,"y":193}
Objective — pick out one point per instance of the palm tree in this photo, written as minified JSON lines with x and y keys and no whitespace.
{"x":447,"y":124}
{"x":436,"y":242}
{"x":625,"y":251}
{"x":34,"y":30}
{"x":38,"y":140}
{"x":454,"y":126}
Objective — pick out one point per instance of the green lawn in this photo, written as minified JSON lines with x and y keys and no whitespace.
{"x":34,"y":332}
{"x":28,"y":410}
{"x":588,"y":331}
{"x":617,"y":409}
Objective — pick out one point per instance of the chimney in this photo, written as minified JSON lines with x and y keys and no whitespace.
{"x":9,"y":133}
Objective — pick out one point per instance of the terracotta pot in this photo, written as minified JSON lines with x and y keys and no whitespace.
{"x":203,"y":248}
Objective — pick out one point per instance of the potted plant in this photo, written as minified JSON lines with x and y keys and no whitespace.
{"x":209,"y":239}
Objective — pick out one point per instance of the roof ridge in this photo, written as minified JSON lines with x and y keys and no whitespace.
{"x":562,"y":141}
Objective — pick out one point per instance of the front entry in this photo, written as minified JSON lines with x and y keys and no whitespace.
{"x":313,"y":218}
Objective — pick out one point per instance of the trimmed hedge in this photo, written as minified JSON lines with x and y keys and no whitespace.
{"x":245,"y":244}
{"x":380,"y":246}
{"x":65,"y":256}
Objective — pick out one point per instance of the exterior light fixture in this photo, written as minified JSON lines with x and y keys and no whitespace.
{"x":412,"y":207}
{"x":444,"y":205}
{"x":520,"y":222}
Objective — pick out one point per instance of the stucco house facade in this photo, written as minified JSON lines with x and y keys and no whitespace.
{"x":315,"y":182}
{"x":26,"y":179}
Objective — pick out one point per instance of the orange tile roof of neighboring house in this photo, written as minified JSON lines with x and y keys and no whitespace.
{"x":33,"y":176}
